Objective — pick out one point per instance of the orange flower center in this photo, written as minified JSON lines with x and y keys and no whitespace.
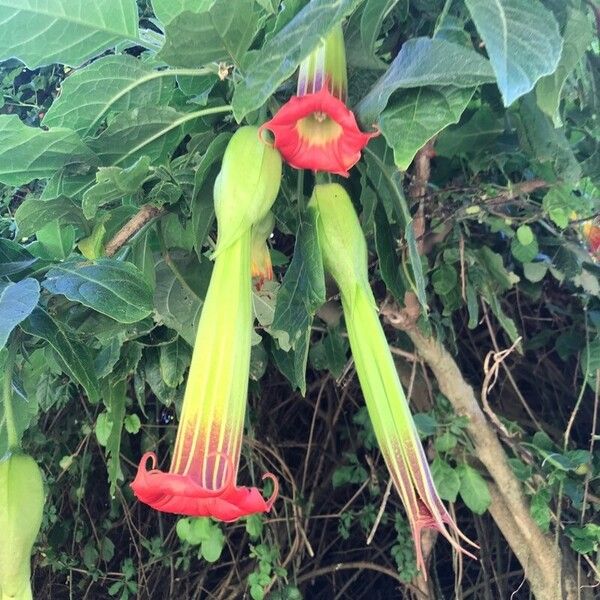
{"x":319,"y":129}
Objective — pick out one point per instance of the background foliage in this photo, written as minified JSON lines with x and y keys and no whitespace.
{"x":113,"y":111}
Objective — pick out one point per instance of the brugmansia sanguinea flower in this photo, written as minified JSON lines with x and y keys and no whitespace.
{"x":21,"y":507}
{"x":202,"y":478}
{"x":344,"y":254}
{"x":315,"y":129}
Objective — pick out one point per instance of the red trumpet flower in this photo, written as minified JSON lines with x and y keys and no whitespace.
{"x":318,"y":132}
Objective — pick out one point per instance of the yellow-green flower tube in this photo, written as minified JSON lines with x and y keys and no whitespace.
{"x":202,"y":477}
{"x":344,"y":254}
{"x":21,"y":508}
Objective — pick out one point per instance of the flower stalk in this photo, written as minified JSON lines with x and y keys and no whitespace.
{"x":344,"y":254}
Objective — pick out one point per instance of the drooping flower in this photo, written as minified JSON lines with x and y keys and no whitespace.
{"x":344,"y":252}
{"x":202,"y":478}
{"x":315,"y":129}
{"x":21,"y":508}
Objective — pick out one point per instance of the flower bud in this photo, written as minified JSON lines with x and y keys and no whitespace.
{"x":261,"y":258}
{"x":21,"y":507}
{"x":341,"y":239}
{"x":246,"y":186}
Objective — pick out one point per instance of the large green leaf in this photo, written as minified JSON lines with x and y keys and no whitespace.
{"x":109,"y":84}
{"x":74,"y":356}
{"x":113,"y":183}
{"x":153,"y":131}
{"x":410,"y":122}
{"x":64,"y":31}
{"x":29,"y":153}
{"x":425,"y":62}
{"x":167,"y":10}
{"x":203,"y":211}
{"x":548,"y":145}
{"x":114,"y":397}
{"x":522,"y":40}
{"x":34,"y":214}
{"x":181,"y":285}
{"x":471,"y":137}
{"x":302,"y":292}
{"x":13,"y":257}
{"x":24,"y":405}
{"x":17,"y":300}
{"x":115,"y":289}
{"x":225,"y":31}
{"x":578,"y":36}
{"x":389,"y":262}
{"x":281,"y":55}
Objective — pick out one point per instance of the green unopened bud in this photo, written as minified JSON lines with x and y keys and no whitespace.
{"x":21,"y":507}
{"x":246,"y":186}
{"x":342,"y":241}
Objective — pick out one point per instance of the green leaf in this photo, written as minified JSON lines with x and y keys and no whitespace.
{"x":389,"y":262}
{"x":535,"y":271}
{"x":525,"y":235}
{"x":74,"y":356}
{"x":212,"y":545}
{"x":178,"y":296}
{"x":29,"y":153}
{"x":473,"y":489}
{"x":471,"y":137}
{"x":522,"y":40}
{"x":524,"y":253}
{"x":34,"y":214}
{"x":540,"y":509}
{"x":13,"y":258}
{"x":371,"y":20}
{"x":302,"y":292}
{"x":444,"y":279}
{"x":446,"y":479}
{"x":167,"y":10}
{"x":111,"y":84}
{"x":303,"y":288}
{"x":113,"y":183}
{"x":17,"y":300}
{"x":54,"y":241}
{"x":330,"y":353}
{"x":203,"y":211}
{"x":63,"y":31}
{"x":446,"y":442}
{"x":418,"y":115}
{"x":115,"y":289}
{"x":151,"y":130}
{"x":24,"y":407}
{"x":132,"y":424}
{"x":425,"y":62}
{"x":281,"y":54}
{"x":174,"y":360}
{"x":114,"y":399}
{"x":226,"y":33}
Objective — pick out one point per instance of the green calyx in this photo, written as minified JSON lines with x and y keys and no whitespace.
{"x":21,"y":507}
{"x":325,"y":64}
{"x":246,"y":186}
{"x":341,"y":239}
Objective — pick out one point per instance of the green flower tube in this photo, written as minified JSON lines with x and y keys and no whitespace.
{"x":344,"y":254}
{"x":21,"y":508}
{"x":202,"y":478}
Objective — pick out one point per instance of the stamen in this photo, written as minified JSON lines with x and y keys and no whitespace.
{"x":320,"y":116}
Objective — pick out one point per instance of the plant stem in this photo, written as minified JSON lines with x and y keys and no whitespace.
{"x":7,"y":395}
